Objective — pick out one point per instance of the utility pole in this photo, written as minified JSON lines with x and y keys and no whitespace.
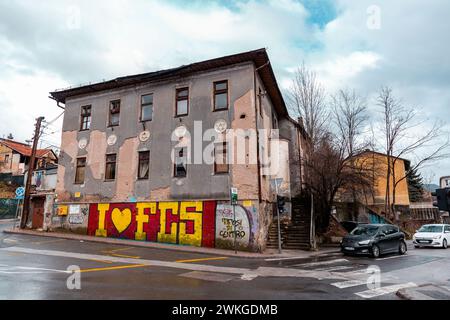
{"x":26,"y":201}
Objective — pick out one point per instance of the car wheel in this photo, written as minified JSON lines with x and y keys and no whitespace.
{"x":402,"y":248}
{"x":375,"y":251}
{"x":444,"y":244}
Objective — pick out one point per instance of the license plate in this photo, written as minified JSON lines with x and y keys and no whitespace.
{"x":349,"y":248}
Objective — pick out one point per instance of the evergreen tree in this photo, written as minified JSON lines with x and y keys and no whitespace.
{"x":415,"y":186}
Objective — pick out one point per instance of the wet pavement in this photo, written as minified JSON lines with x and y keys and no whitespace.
{"x":35,"y":267}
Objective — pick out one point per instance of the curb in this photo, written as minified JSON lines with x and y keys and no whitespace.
{"x":152,"y":245}
{"x":402,"y":294}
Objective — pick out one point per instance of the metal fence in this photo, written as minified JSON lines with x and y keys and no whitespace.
{"x":8,"y":208}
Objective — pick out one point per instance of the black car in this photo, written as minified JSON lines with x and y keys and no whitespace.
{"x":374,"y":240}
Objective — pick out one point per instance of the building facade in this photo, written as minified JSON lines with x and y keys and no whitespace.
{"x":153,"y":157}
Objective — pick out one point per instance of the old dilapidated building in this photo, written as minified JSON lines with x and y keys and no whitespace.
{"x":129,"y":165}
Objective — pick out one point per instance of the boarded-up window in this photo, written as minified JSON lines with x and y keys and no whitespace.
{"x":147,"y":107}
{"x":80,"y":170}
{"x":114,"y":113}
{"x":85,"y":118}
{"x":144,"y":165}
{"x":180,"y":170}
{"x":110,"y":169}
{"x":220,"y":158}
{"x":182,"y":102}
{"x":221,"y":95}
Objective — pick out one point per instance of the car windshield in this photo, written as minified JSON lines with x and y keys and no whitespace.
{"x":365,"y":231}
{"x":435,"y":229}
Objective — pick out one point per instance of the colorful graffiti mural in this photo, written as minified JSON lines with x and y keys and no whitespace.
{"x":185,"y":223}
{"x":195,"y":223}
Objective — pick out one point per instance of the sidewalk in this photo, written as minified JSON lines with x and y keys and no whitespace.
{"x":269,"y":254}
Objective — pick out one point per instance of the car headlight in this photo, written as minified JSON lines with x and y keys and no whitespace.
{"x":437,"y":237}
{"x":364,"y":242}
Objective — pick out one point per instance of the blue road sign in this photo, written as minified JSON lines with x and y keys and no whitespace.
{"x":20,"y":192}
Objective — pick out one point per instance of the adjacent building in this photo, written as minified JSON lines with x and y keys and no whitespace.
{"x":154,"y":156}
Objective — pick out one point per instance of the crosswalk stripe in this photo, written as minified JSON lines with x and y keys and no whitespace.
{"x":336,"y":268}
{"x":349,"y":284}
{"x":320,"y":263}
{"x":384,"y":290}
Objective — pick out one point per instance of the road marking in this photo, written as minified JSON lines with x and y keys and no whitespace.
{"x":28,"y":270}
{"x":285,"y":259}
{"x":201,"y":259}
{"x":124,"y":256}
{"x":393,"y":257}
{"x":208,"y":276}
{"x":384,"y":290}
{"x":336,"y":268}
{"x":349,"y":284}
{"x":114,"y":268}
{"x":47,"y":241}
{"x":9,"y":240}
{"x":102,"y":261}
{"x":320,"y":263}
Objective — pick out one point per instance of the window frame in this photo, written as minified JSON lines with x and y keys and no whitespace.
{"x":82,"y":117}
{"x":177,"y":99}
{"x":109,"y":162}
{"x":221,"y":91}
{"x":139,"y":165}
{"x":110,"y":112}
{"x":225,"y":157}
{"x":78,"y":166}
{"x":177,"y":153}
{"x":145,"y":105}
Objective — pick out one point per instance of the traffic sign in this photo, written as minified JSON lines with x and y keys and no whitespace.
{"x":234,"y":195}
{"x":20,"y":192}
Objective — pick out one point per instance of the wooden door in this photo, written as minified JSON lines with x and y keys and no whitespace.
{"x":38,"y":213}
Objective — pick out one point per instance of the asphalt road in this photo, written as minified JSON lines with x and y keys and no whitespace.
{"x":33,"y":267}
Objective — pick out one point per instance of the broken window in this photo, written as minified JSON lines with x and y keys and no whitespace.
{"x":110,"y":169}
{"x":147,"y":107}
{"x":144,"y":165}
{"x":114,"y":113}
{"x":85,"y":118}
{"x":220,"y":158}
{"x":182,"y":102}
{"x":221,"y":95}
{"x":80,"y":170}
{"x":180,"y":163}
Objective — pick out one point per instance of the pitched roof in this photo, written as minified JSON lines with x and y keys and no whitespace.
{"x":258,"y":57}
{"x":23,"y":148}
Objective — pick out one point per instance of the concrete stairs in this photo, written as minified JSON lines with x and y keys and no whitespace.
{"x":295,"y":234}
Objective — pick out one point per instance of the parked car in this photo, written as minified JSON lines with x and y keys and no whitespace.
{"x":374,"y":240}
{"x":432,"y":235}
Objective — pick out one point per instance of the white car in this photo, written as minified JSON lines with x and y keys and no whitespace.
{"x":432,"y":235}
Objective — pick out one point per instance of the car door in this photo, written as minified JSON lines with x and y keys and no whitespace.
{"x":392,"y":238}
{"x":383,"y":239}
{"x":447,"y":233}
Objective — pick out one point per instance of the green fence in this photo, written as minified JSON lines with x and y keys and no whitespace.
{"x":8,"y":208}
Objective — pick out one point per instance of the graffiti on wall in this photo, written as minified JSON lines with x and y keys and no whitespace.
{"x":227,"y":227}
{"x":185,"y":223}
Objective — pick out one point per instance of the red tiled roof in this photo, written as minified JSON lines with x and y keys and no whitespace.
{"x":23,"y":149}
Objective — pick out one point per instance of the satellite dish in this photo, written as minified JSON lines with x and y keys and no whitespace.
{"x":144,"y":136}
{"x":220,"y":126}
{"x":180,"y":131}
{"x":82,"y":143}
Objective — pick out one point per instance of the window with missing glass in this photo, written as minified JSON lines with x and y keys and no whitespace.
{"x":221,"y":95}
{"x":220,"y":158}
{"x":85,"y":118}
{"x":80,"y":171}
{"x":114,"y":113}
{"x":110,"y":168}
{"x":147,"y":107}
{"x":144,"y":165}
{"x":182,"y":102}
{"x":180,"y":170}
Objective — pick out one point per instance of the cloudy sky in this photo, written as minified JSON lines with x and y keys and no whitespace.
{"x":45,"y":45}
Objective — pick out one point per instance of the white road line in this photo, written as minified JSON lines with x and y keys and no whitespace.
{"x":393,"y":257}
{"x":349,"y":283}
{"x":336,"y":268}
{"x":320,"y":263}
{"x":384,"y":290}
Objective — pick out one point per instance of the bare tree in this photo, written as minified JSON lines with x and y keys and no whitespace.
{"x":307,"y":100}
{"x":403,"y":139}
